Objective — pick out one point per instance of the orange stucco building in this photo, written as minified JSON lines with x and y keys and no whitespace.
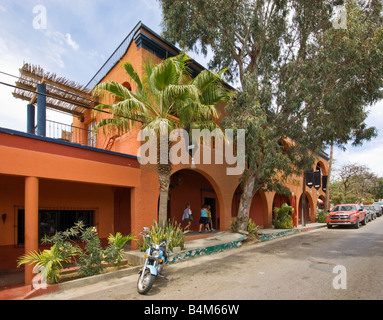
{"x":48,"y":183}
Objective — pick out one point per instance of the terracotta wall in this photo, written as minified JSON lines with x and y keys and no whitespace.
{"x":111,"y":206}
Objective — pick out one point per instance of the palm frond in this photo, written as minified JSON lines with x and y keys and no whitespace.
{"x":163,"y":75}
{"x":161,"y":125}
{"x":112,"y":89}
{"x":133,"y":74}
{"x":112,"y":125}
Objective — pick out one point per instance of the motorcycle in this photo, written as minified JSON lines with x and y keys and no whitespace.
{"x":156,"y":257}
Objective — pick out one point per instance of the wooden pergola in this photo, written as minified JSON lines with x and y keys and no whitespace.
{"x":61,"y":94}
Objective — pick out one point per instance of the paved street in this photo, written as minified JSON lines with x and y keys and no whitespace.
{"x":296,"y":267}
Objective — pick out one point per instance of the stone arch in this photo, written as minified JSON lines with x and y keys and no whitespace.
{"x":310,"y":209}
{"x":258,"y":210}
{"x":321,"y":201}
{"x":321,"y":166}
{"x":196,"y":188}
{"x":278,"y":200}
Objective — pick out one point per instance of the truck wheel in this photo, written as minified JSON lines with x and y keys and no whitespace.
{"x":364,"y":222}
{"x":329,"y":226}
{"x":356,"y":225}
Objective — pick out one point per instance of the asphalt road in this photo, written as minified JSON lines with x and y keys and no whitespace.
{"x":336,"y":264}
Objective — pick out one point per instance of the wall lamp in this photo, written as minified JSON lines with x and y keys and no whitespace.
{"x":4,"y":217}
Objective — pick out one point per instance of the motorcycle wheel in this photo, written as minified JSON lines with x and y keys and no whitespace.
{"x":145,"y":283}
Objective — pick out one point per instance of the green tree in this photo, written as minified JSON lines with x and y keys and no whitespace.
{"x":344,"y":77}
{"x":353,"y":183}
{"x":377,"y":190}
{"x":165,"y":98}
{"x":287,"y":83}
{"x":262,"y":43}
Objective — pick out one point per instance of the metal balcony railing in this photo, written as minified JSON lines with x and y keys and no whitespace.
{"x":70,"y":133}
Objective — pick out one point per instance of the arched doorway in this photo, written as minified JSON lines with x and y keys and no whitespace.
{"x":191,"y":187}
{"x":309,"y":212}
{"x":258,"y":209}
{"x":279,"y":200}
{"x":320,"y":202}
{"x":321,"y":167}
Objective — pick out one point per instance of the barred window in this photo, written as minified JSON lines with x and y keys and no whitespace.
{"x":54,"y":220}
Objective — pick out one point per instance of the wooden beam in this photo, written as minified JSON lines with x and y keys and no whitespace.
{"x":52,"y":106}
{"x":56,"y":84}
{"x":51,"y":95}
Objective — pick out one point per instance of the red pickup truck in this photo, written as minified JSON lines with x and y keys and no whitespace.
{"x":346,"y":214}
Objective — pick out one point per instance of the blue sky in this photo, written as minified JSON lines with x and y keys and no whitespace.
{"x":79,"y":37}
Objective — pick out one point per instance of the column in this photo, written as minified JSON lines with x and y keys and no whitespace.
{"x":133,"y":217}
{"x":31,"y":119}
{"x":31,"y":222}
{"x":41,"y":110}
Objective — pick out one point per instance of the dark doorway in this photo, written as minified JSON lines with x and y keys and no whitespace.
{"x":211,"y":203}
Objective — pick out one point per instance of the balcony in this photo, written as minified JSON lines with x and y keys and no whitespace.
{"x":70,"y":133}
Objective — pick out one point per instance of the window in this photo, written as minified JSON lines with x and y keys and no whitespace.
{"x":344,"y":208}
{"x":92,"y":135}
{"x":54,"y":220}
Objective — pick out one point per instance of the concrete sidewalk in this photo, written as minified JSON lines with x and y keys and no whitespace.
{"x":196,"y":245}
{"x":217,"y":242}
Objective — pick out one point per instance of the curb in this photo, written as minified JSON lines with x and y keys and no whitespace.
{"x":137,"y":257}
{"x":100,"y":277}
{"x":204,"y":251}
{"x":274,"y":235}
{"x":81,"y":282}
{"x":283,"y":233}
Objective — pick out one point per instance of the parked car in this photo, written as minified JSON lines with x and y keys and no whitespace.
{"x":379,"y":207}
{"x":346,"y":214}
{"x":372,"y":212}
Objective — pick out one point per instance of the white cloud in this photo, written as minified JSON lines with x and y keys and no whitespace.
{"x":61,"y":39}
{"x":56,"y":46}
{"x":71,"y":43}
{"x":370,"y":155}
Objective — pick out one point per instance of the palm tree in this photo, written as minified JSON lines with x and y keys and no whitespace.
{"x":165,"y":99}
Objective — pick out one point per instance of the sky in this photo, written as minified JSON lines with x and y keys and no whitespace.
{"x":74,"y":38}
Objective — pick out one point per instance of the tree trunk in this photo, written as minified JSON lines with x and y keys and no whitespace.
{"x":327,"y":196}
{"x":164,"y":173}
{"x":248,"y":191}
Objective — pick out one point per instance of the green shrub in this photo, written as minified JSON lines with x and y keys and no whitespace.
{"x":49,"y":262}
{"x":114,"y":252}
{"x":283,"y":219}
{"x":92,"y":258}
{"x":251,"y":227}
{"x":321,"y":216}
{"x":169,"y":230}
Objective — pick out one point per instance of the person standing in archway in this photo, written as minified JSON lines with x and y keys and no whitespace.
{"x":187,"y":216}
{"x":210,"y":218}
{"x":204,"y":220}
